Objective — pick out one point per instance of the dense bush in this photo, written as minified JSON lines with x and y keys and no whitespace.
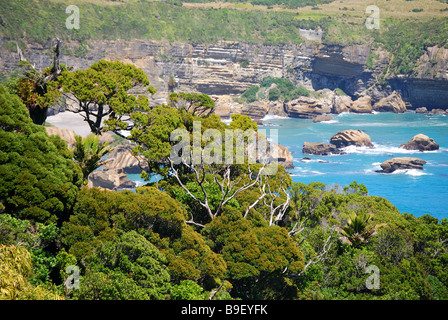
{"x":38,"y":179}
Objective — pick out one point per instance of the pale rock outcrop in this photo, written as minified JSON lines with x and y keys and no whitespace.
{"x":111,"y":179}
{"x":351,"y":138}
{"x":121,"y":157}
{"x":438,"y":111}
{"x":318,"y":148}
{"x":285,"y":158}
{"x":421,"y":110}
{"x":392,"y":103}
{"x":421,"y":142}
{"x":307,"y":107}
{"x":362,"y":105}
{"x":273,"y":152}
{"x":341,"y":104}
{"x":401,"y":163}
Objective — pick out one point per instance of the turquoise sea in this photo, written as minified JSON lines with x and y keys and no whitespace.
{"x":412,"y":191}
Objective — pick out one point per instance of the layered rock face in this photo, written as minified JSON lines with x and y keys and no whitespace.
{"x":402,"y":163}
{"x":421,"y":142}
{"x":229,"y":68}
{"x":308,"y":108}
{"x":351,"y":138}
{"x":362,"y":105}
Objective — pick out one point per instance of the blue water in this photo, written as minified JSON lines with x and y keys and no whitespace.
{"x":412,"y":191}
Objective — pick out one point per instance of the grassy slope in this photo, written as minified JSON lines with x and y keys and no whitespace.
{"x":403,"y":32}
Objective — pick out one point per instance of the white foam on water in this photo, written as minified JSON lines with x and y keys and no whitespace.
{"x":311,"y":160}
{"x":273,"y":117}
{"x":330,"y":121}
{"x":300,"y":172}
{"x":375,"y":167}
{"x":411,"y":172}
{"x":379,"y":149}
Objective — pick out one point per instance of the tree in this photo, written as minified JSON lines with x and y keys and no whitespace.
{"x":103,"y":92}
{"x":126,"y":266}
{"x":195,"y":103}
{"x":88,"y":153}
{"x":259,"y":257}
{"x":38,"y":178}
{"x":38,"y":89}
{"x":171,"y":84}
{"x":358,"y":231}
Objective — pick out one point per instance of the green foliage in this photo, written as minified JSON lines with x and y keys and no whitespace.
{"x":88,"y":153}
{"x":282,"y":89}
{"x":253,"y":253}
{"x":105,"y":85}
{"x":408,"y":39}
{"x":133,"y":267}
{"x":152,"y":20}
{"x":187,"y":290}
{"x":39,"y":239}
{"x":242,"y":122}
{"x":35,"y":89}
{"x":250,"y":95}
{"x":39,"y":180}
{"x":195,"y":103}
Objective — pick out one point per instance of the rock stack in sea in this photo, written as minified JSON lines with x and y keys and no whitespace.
{"x":318,"y":148}
{"x":351,"y":137}
{"x":421,"y":142}
{"x":338,"y":141}
{"x":401,"y":163}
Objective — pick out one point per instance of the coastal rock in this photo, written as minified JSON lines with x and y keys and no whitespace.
{"x":285,"y":158}
{"x":438,"y":111}
{"x":341,"y":104}
{"x":321,"y":149}
{"x":351,"y":138}
{"x":421,"y":110}
{"x":362,"y":105}
{"x":121,"y":158}
{"x":391,"y":103}
{"x":401,"y":163}
{"x":307,"y":107}
{"x":321,"y":118}
{"x":111,"y":179}
{"x":421,"y":142}
{"x":255,"y":110}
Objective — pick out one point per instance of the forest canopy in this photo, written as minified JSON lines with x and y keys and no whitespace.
{"x":202,"y":231}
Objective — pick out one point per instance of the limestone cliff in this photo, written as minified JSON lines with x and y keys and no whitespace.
{"x":229,"y":68}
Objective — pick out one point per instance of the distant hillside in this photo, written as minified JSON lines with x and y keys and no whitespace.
{"x":407,"y":27}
